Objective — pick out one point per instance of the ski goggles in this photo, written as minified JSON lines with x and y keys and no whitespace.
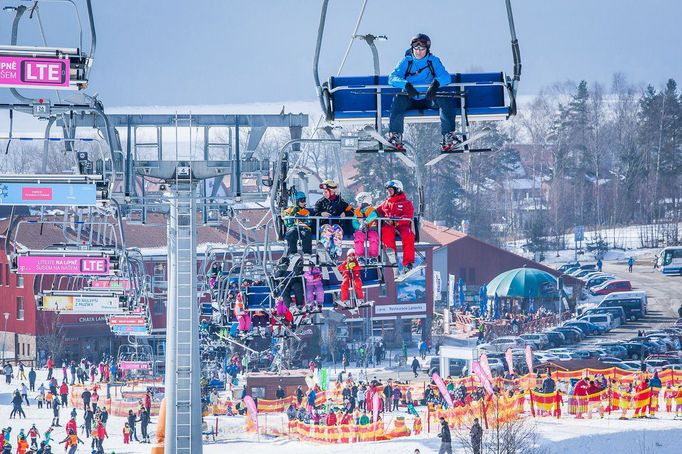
{"x":418,"y":46}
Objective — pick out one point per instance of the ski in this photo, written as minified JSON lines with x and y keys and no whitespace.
{"x":401,"y":154}
{"x":402,"y":276}
{"x":461,"y":147}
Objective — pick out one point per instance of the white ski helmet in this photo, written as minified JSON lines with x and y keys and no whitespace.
{"x":350,"y":252}
{"x":395,"y":184}
{"x":364,"y":197}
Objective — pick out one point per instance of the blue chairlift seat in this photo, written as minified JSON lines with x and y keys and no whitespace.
{"x":257,"y":297}
{"x":484,"y":100}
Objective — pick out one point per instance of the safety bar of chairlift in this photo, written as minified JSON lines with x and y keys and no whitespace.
{"x":380,"y":221}
{"x":67,"y":252}
{"x":86,"y":291}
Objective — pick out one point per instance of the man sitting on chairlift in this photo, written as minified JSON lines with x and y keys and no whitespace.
{"x":421,"y":67}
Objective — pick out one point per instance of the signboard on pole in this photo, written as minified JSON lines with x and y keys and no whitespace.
{"x":451,"y":290}
{"x":579,"y":233}
{"x":82,"y":304}
{"x":37,"y":264}
{"x":48,"y":194}
{"x":436,"y":286}
{"x":28,"y":72}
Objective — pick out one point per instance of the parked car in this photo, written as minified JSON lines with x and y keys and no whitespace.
{"x":611,"y":287}
{"x":497,"y":366}
{"x":588,"y":328}
{"x":616,"y":350}
{"x":617,"y":313}
{"x":572,"y":335}
{"x":555,"y":339}
{"x":567,"y":266}
{"x":633,"y":307}
{"x":458,"y":367}
{"x":636,"y":350}
{"x":501,"y":344}
{"x":623,"y":365}
{"x":603,"y":320}
{"x":537,"y":340}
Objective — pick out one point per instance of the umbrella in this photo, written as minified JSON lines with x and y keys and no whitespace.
{"x":496,"y":307}
{"x":483,"y":300}
{"x":461,"y":291}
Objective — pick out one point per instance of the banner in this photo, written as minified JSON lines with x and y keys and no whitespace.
{"x":37,"y":264}
{"x":529,"y":359}
{"x":127,"y":330}
{"x":48,"y":194}
{"x":29,"y":72}
{"x":436,"y":286}
{"x":485,"y":365}
{"x":82,"y":304}
{"x":134,"y":365}
{"x":375,"y":406}
{"x":443,"y":389}
{"x":482,"y":377}
{"x":451,"y":290}
{"x":252,"y":410}
{"x":510,"y":360}
{"x":110,"y":283}
{"x":134,"y":320}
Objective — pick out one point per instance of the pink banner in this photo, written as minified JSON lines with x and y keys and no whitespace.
{"x":510,"y":360}
{"x":252,"y":409}
{"x":443,"y":389}
{"x":134,"y":365}
{"x":478,"y":371}
{"x":529,"y":359}
{"x":485,"y":365}
{"x":375,"y":406}
{"x":36,"y":193}
{"x":35,"y":264}
{"x":127,"y":321}
{"x":35,"y":72}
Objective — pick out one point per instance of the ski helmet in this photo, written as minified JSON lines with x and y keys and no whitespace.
{"x":350,"y":252}
{"x":364,"y":197}
{"x":328,"y":184}
{"x":397,"y":185}
{"x":421,"y":39}
{"x":299,"y":196}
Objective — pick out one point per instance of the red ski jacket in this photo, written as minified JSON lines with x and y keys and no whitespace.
{"x":397,"y":206}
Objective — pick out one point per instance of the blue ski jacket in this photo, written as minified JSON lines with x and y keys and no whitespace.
{"x":419,"y":72}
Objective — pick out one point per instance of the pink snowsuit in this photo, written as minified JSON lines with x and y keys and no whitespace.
{"x":313,"y":285}
{"x":368,"y":215}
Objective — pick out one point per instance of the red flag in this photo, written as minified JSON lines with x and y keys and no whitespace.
{"x":482,"y":377}
{"x":529,"y":359}
{"x":485,"y":365}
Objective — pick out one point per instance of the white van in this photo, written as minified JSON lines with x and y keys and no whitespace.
{"x":641,"y":294}
{"x":603,"y":320}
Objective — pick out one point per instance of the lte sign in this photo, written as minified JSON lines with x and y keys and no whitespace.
{"x":34,"y":72}
{"x":94,"y":266}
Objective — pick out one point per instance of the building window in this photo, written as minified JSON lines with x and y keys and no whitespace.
{"x":7,"y":274}
{"x":20,"y":307}
{"x":383,"y":293}
{"x":20,"y":281}
{"x":28,"y":349}
{"x":472,"y":276}
{"x":23,"y":350}
{"x":159,"y":308}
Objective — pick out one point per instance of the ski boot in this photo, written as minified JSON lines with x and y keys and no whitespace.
{"x":450,"y":142}
{"x":396,"y":140}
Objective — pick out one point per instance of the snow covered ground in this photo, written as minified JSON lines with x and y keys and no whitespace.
{"x":566,"y":435}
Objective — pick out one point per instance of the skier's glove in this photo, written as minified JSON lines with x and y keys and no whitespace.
{"x":411,"y":91}
{"x":433,"y":88}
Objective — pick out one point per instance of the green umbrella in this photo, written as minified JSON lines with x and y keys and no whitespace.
{"x":523,"y":283}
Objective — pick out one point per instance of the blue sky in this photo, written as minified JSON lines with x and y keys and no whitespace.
{"x":153,"y":52}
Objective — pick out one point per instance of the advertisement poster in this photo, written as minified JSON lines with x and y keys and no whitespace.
{"x":46,"y":194}
{"x":82,"y":304}
{"x":413,"y":288}
{"x":47,"y":264}
{"x":30,"y":72}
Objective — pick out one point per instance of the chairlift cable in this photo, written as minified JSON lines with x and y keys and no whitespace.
{"x":352,"y":37}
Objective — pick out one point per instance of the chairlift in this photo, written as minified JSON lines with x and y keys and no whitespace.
{"x":488,"y":96}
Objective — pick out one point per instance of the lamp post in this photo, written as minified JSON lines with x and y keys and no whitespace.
{"x":4,"y":336}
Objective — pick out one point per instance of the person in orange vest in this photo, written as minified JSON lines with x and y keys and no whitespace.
{"x":351,"y":271}
{"x":365,"y":225}
{"x":22,"y":444}
{"x":417,"y":428}
{"x":678,"y":402}
{"x":242,"y":315}
{"x":126,"y":434}
{"x":71,"y":442}
{"x":640,"y":390}
{"x":558,"y":401}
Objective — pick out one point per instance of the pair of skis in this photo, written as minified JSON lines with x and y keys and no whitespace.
{"x":462,"y":147}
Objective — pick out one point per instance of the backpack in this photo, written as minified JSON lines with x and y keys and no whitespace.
{"x":429,"y":65}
